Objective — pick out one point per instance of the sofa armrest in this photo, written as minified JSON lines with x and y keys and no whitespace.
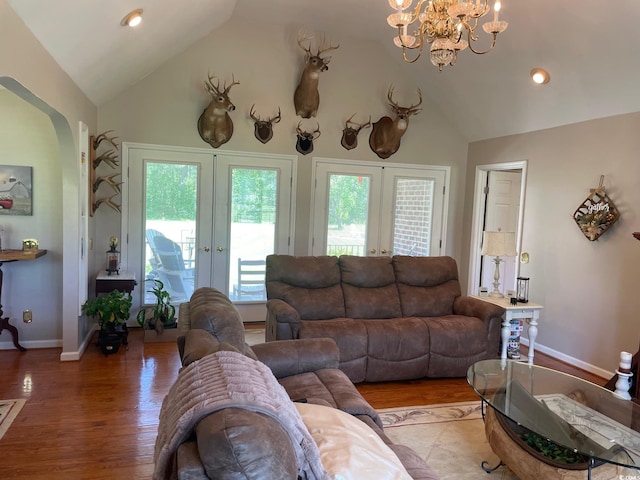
{"x":280,"y":312}
{"x":473,"y":307}
{"x":291,"y":357}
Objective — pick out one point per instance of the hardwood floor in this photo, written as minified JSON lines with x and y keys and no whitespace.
{"x":97,"y":418}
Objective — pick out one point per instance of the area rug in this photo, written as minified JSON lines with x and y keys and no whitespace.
{"x":449,"y":437}
{"x":254,"y":335}
{"x":9,"y":410}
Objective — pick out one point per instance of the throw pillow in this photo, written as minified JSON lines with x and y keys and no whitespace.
{"x":349,"y":449}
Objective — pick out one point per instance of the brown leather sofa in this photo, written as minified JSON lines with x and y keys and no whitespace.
{"x":393,"y":318}
{"x":236,"y":443}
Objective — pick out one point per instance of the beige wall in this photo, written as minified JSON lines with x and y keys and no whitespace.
{"x":164,"y":108}
{"x":587,"y":288}
{"x":29,"y":71}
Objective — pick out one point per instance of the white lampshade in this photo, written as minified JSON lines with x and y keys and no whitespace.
{"x":499,"y":244}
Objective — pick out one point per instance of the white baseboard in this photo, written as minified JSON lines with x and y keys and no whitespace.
{"x":31,"y":344}
{"x":74,"y":356}
{"x":570,"y":360}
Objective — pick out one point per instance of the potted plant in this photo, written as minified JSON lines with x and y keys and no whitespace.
{"x":162,"y":314}
{"x":112,"y":312}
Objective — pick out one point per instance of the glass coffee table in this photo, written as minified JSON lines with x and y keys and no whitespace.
{"x":566,"y":410}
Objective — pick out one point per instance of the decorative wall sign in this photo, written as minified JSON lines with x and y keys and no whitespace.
{"x":596,"y":214}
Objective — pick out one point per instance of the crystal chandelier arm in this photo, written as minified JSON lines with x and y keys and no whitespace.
{"x":419,"y":46}
{"x":481,"y":52}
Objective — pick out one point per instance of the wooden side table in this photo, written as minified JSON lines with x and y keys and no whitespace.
{"x":123,"y":281}
{"x":7,"y":256}
{"x":529,"y":312}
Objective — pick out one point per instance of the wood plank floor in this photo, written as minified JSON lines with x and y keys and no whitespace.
{"x":97,"y":418}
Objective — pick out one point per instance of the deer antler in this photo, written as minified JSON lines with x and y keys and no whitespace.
{"x":303,"y":38}
{"x":107,"y":201}
{"x":104,"y":137}
{"x":321,"y":48}
{"x":253,"y":117}
{"x":359,"y":125}
{"x":413,"y":108}
{"x":233,"y":82}
{"x":108,"y":157}
{"x":277,"y":118}
{"x":109,"y":180}
{"x":317,"y":131}
{"x":213,"y":90}
{"x":390,"y":97}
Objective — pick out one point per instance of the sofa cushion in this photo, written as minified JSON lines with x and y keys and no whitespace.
{"x":211,"y":310}
{"x":238,"y":444}
{"x":311,"y":285}
{"x":349,"y":449}
{"x":456,"y":342}
{"x":198,"y":343}
{"x":369,"y":287}
{"x":398,"y":349}
{"x":427,"y":286}
{"x":351,"y":337}
{"x":329,"y":387}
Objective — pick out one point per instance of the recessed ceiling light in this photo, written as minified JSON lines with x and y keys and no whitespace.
{"x":540,"y":76}
{"x":133,"y":18}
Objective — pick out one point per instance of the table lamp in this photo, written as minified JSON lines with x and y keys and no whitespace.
{"x":498,"y":244}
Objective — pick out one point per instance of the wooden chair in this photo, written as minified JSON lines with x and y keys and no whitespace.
{"x":251,"y":275}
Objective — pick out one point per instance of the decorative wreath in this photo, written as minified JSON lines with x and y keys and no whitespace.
{"x":596,"y":214}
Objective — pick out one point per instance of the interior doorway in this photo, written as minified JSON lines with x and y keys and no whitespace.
{"x":498,"y":203}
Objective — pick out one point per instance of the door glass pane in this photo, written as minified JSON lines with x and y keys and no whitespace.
{"x":348,"y":211}
{"x":413,"y":212}
{"x":170,"y":207}
{"x":254,"y":195}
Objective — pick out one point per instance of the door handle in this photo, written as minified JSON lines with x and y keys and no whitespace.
{"x":219,"y":249}
{"x":384,"y":251}
{"x":204,"y":249}
{"x":373,"y":250}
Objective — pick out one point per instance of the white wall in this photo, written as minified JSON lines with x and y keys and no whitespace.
{"x":587,"y":288}
{"x":27,"y":138}
{"x":164,"y":108}
{"x":29,"y":71}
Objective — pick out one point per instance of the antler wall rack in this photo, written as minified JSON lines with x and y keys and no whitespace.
{"x":108,"y":157}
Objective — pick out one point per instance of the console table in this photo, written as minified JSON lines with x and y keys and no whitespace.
{"x":530,"y":312}
{"x":123,"y":281}
{"x":7,"y":256}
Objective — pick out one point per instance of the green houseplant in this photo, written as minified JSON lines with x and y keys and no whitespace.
{"x":112,"y":312}
{"x":162,"y":315}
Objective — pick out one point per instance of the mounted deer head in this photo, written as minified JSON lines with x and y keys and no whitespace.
{"x":304,"y":144}
{"x":386,"y":134}
{"x":306,"y":98}
{"x":215,"y":125}
{"x":350,"y":133}
{"x":263,"y":129}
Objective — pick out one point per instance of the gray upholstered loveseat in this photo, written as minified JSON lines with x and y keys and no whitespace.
{"x":203,"y":434}
{"x":393,"y":318}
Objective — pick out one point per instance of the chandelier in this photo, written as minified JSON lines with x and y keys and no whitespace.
{"x":442,"y":24}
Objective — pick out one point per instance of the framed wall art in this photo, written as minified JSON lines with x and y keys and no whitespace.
{"x":16,"y":190}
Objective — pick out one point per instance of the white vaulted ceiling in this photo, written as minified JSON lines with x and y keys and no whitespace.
{"x":590,"y":48}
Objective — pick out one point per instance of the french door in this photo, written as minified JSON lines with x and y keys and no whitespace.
{"x":194,"y":216}
{"x":367,"y":209}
